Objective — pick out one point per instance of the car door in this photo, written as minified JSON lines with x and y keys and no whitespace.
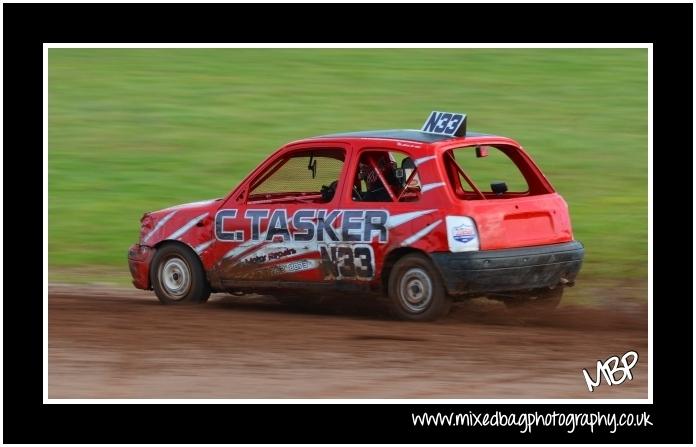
{"x":384,"y":193}
{"x":270,"y":230}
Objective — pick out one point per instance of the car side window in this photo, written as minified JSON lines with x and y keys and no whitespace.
{"x":304,"y":177}
{"x":384,"y":176}
{"x":487,"y":172}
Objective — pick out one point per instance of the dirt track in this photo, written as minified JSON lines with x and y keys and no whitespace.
{"x":123,"y":344}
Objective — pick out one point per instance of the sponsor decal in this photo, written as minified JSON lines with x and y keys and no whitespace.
{"x":254,"y":260}
{"x":463,"y":233}
{"x":294,"y":266}
{"x":306,"y":225}
{"x":281,"y":254}
{"x":264,"y":257}
{"x":402,"y":144}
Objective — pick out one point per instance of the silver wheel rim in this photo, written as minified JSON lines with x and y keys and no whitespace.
{"x":175,"y":278}
{"x":416,"y":290}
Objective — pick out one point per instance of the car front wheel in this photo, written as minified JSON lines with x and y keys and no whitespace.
{"x":415,"y":290}
{"x":178,"y":276}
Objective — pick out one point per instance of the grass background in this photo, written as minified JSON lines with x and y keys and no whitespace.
{"x":134,"y":130}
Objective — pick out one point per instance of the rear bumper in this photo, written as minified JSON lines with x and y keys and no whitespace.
{"x":139,"y":257}
{"x":514,"y":269}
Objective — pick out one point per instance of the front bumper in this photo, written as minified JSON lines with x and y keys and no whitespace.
{"x":515,"y":269}
{"x":139,"y":257}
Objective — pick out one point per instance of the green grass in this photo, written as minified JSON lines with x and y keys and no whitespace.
{"x":138,"y":130}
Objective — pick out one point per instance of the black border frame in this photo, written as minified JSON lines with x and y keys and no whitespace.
{"x":26,"y":26}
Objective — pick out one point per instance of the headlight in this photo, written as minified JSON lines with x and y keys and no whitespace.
{"x":145,"y":225}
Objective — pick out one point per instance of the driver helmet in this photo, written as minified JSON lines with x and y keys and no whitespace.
{"x":387,"y":166}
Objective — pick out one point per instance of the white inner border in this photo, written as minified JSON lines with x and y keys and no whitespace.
{"x":649,"y":46}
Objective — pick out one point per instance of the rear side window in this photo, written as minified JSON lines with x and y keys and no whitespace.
{"x":386,"y":176}
{"x":489,"y":172}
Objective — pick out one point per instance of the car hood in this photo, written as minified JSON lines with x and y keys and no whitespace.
{"x":199,"y":205}
{"x":156,"y":225}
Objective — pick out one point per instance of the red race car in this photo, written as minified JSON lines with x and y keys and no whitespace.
{"x":411,"y":216}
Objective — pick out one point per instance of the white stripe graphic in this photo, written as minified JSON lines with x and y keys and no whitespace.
{"x":420,"y":161}
{"x":421,"y":233}
{"x":203,"y":246}
{"x":399,"y":219}
{"x":180,"y":232}
{"x":191,"y":204}
{"x":429,"y":186}
{"x":244,"y":246}
{"x":159,"y":225}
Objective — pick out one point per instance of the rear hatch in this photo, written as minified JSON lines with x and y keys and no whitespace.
{"x":511,"y":202}
{"x":521,"y":222}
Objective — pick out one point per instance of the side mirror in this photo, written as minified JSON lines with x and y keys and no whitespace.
{"x":481,"y":151}
{"x":499,"y":188}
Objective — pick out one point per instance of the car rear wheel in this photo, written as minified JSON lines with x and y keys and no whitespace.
{"x":415,"y":290}
{"x":178,"y":276}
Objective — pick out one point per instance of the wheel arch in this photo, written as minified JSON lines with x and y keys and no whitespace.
{"x":392,"y":257}
{"x":439,"y":300}
{"x":167,"y":242}
{"x":164,"y":242}
{"x":201,"y":288}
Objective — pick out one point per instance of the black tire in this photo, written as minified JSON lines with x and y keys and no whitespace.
{"x":545,"y":299}
{"x":178,"y":277}
{"x":415,"y":290}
